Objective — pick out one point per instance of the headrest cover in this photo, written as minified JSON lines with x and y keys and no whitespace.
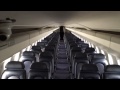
{"x":28,"y":53}
{"x":76,"y":49}
{"x":46,"y":54}
{"x":49,"y":48}
{"x":112,"y":68}
{"x":102,"y":61}
{"x":44,"y":41}
{"x":98,"y":56}
{"x":89,"y":67}
{"x":81,"y":55}
{"x":27,"y":58}
{"x":36,"y":47}
{"x":84,"y":45}
{"x":39,"y":66}
{"x":40,"y":44}
{"x":89,"y":50}
{"x":15,"y":65}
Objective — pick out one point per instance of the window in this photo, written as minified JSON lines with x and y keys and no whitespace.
{"x":97,"y":49}
{"x":89,"y":44}
{"x":16,"y":56}
{"x":24,"y":50}
{"x":92,"y":45}
{"x":5,"y":62}
{"x":110,"y":59}
{"x":33,"y":44}
{"x":86,"y":41}
{"x":28,"y":48}
{"x":102,"y":52}
{"x":118,"y":61}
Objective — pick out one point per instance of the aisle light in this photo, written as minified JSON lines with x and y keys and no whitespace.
{"x":110,"y":59}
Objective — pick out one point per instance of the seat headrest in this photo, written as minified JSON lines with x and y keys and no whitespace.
{"x":112,"y":68}
{"x":40,"y":43}
{"x":80,"y":42}
{"x":27,"y":58}
{"x":84,"y":45}
{"x":80,"y":55}
{"x":98,"y":56}
{"x":89,"y":50}
{"x":36,"y":47}
{"x":89,"y":67}
{"x":15,"y":65}
{"x":46,"y":53}
{"x":28,"y":53}
{"x":49,"y":48}
{"x":76,"y":49}
{"x":102,"y":61}
{"x":44,"y":40}
{"x":39,"y":66}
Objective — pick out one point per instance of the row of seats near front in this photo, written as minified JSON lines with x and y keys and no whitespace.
{"x":40,"y":70}
{"x":35,"y":55}
{"x":81,"y":53}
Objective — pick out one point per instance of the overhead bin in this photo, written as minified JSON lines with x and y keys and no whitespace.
{"x":20,"y":41}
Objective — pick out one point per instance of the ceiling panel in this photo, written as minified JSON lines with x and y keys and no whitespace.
{"x":100,"y":20}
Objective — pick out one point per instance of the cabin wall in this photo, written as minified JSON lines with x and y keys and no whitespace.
{"x":107,"y":42}
{"x":20,"y":41}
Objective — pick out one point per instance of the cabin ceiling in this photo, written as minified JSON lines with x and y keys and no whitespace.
{"x":96,"y":20}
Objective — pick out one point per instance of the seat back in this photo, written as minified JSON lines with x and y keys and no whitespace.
{"x":39,"y":70}
{"x":89,"y":50}
{"x":112,"y":72}
{"x":89,"y":71}
{"x":36,"y":48}
{"x":79,"y":60}
{"x":41,"y":44}
{"x":14,"y":70}
{"x":28,"y":57}
{"x":100,"y":61}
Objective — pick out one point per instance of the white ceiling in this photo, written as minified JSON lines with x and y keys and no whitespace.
{"x":101,"y":20}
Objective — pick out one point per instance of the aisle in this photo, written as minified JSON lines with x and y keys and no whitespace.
{"x":62,"y":64}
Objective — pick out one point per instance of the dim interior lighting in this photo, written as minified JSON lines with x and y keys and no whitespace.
{"x":110,"y":59}
{"x":5,"y":62}
{"x":16,"y":56}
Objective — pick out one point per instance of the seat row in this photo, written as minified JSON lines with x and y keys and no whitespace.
{"x":41,"y":57}
{"x":40,"y":62}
